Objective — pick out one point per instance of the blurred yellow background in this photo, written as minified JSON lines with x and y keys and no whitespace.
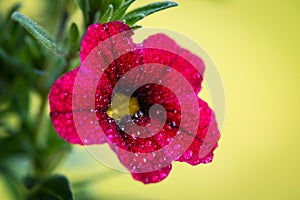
{"x":255,"y":45}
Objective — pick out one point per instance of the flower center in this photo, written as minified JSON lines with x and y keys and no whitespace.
{"x":120,"y":109}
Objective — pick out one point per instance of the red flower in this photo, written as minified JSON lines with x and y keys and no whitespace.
{"x":87,"y":104}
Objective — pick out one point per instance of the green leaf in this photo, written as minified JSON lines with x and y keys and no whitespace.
{"x":74,"y":37}
{"x":11,"y":146}
{"x":54,"y":188}
{"x":15,"y":65}
{"x":11,"y":182}
{"x":38,"y":32}
{"x":33,"y":47}
{"x":149,"y":9}
{"x":98,"y":5}
{"x":97,"y":17}
{"x":85,"y":7}
{"x":132,"y":20}
{"x":102,"y":5}
{"x":15,"y":7}
{"x":57,"y":156}
{"x":108,"y":14}
{"x":119,"y":13}
{"x":30,"y":182}
{"x":81,"y":5}
{"x":117,"y":3}
{"x":135,"y":27}
{"x":21,"y":99}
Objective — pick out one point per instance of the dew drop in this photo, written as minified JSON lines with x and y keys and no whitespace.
{"x":172,"y":124}
{"x":85,"y":141}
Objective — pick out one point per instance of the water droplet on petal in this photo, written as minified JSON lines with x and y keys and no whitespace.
{"x":173,"y":124}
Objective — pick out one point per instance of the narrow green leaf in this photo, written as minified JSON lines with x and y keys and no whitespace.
{"x":33,"y":47}
{"x":56,"y":157}
{"x":81,"y":4}
{"x":74,"y":36}
{"x":117,"y":3}
{"x":11,"y":182}
{"x":38,"y":32}
{"x":15,"y":65}
{"x":121,"y":11}
{"x":135,"y":27}
{"x":132,"y":20}
{"x":151,"y":8}
{"x":108,"y":14}
{"x":15,"y":7}
{"x":101,"y":5}
{"x":21,"y":99}
{"x":85,"y":7}
{"x":97,"y":17}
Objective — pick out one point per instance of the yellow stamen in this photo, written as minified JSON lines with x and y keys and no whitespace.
{"x":120,"y":108}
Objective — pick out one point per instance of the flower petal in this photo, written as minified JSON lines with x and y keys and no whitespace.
{"x":153,"y":176}
{"x":88,"y":132}
{"x":138,"y":151}
{"x":65,"y":104}
{"x":164,"y":50}
{"x":98,"y":33}
{"x":60,"y":95}
{"x":205,"y":142}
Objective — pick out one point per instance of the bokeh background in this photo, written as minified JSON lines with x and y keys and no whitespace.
{"x":255,"y":45}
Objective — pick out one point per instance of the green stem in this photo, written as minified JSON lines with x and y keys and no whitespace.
{"x":40,"y":137}
{"x":62,"y":25}
{"x":14,"y":185}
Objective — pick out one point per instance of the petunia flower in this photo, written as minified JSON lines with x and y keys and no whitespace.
{"x":87,"y":104}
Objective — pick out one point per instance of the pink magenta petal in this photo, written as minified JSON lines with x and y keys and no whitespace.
{"x":62,"y":112}
{"x":201,"y":150}
{"x":66,"y":128}
{"x":97,"y":33}
{"x":60,"y":95}
{"x":154,"y":176}
{"x":165,"y":51}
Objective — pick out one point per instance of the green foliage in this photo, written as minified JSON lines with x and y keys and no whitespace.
{"x":108,"y":14}
{"x":74,"y":37}
{"x":111,"y":10}
{"x":137,"y":14}
{"x":133,"y":19}
{"x":38,"y":32}
{"x":55,"y":188}
{"x":119,"y":13}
